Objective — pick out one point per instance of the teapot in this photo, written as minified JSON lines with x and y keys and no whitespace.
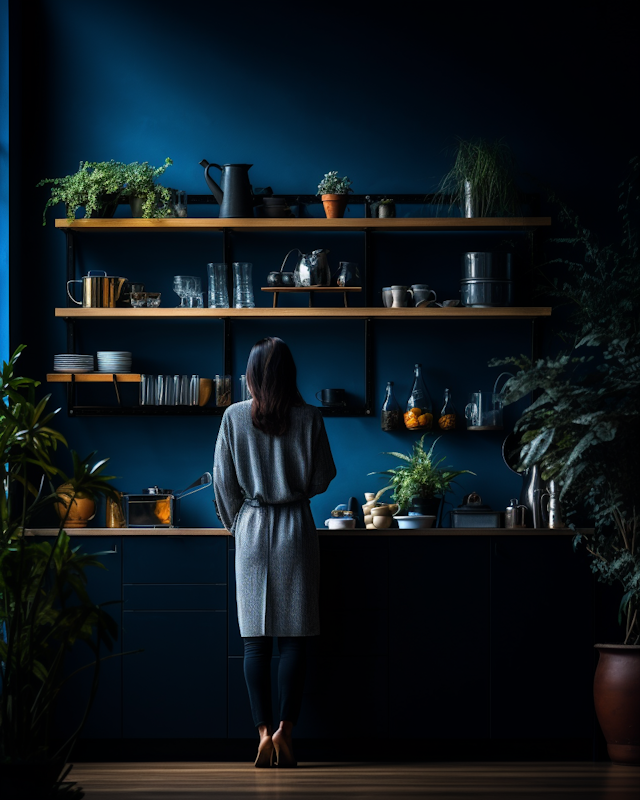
{"x":312,"y":269}
{"x":235,"y":197}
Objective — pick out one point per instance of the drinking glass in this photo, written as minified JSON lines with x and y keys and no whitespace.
{"x":223,"y":390}
{"x":194,"y":390}
{"x":245,"y":394}
{"x":138,"y":299}
{"x":153,"y":299}
{"x":242,"y":285}
{"x":218,"y":294}
{"x":183,"y":286}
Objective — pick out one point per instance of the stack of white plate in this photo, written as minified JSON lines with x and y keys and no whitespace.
{"x":114,"y":361}
{"x":72,"y":362}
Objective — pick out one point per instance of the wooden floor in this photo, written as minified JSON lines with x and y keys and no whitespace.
{"x":312,"y":781}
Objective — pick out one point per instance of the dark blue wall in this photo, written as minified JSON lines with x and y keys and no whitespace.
{"x":298,"y":91}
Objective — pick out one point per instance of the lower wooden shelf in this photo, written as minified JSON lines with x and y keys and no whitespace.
{"x":322,"y":531}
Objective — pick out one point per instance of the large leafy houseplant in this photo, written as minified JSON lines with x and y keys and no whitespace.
{"x":481,"y":182}
{"x":44,"y":605}
{"x":98,"y":187}
{"x":583,"y":427}
{"x":420,"y":476}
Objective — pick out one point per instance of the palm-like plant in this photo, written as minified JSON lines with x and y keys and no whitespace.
{"x":44,"y":605}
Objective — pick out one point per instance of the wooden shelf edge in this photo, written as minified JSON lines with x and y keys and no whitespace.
{"x":321,"y":531}
{"x":311,"y":223}
{"x":367,"y":312}
{"x":93,"y":377}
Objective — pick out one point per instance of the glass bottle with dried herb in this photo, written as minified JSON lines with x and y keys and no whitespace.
{"x":391,"y":415}
{"x":448,"y":416}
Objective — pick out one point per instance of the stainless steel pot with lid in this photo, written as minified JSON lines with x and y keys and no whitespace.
{"x":99,"y":290}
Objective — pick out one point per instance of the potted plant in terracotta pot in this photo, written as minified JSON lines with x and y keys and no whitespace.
{"x":583,"y":430}
{"x":420,"y":483}
{"x":334,"y":192}
{"x":44,"y":609}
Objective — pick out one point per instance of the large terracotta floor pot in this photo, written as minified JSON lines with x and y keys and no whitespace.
{"x":616,"y":693}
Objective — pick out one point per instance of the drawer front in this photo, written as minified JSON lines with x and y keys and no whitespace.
{"x":175,"y":559}
{"x":168,"y":597}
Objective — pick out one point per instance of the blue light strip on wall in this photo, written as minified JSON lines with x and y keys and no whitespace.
{"x":4,"y":180}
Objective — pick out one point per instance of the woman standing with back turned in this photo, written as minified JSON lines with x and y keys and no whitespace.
{"x":271,"y":456}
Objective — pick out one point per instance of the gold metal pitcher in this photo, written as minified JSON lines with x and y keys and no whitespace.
{"x":99,"y":290}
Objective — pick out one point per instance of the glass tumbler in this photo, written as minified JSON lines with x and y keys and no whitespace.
{"x":245,"y":394}
{"x":242,"y":285}
{"x":218,"y":294}
{"x":223,"y":390}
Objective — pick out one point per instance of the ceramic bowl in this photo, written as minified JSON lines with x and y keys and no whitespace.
{"x":415,"y":521}
{"x":340,"y":523}
{"x":381,"y":522}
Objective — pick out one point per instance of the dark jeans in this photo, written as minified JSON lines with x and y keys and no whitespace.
{"x":291,"y":673}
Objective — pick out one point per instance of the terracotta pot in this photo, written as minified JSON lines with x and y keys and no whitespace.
{"x":616,"y":694}
{"x":81,"y":511}
{"x":334,"y":205}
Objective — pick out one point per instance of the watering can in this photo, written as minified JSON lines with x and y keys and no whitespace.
{"x":234,"y":195}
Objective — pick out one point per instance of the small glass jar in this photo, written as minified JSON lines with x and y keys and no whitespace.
{"x":419,"y":412}
{"x":223,"y":390}
{"x":391,"y":414}
{"x":448,"y":417}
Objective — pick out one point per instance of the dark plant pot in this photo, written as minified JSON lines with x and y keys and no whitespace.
{"x":429,"y":507}
{"x":108,"y":205}
{"x":136,"y":206}
{"x":616,"y":694}
{"x":29,"y":781}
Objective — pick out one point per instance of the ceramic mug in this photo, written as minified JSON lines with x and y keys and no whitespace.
{"x":422,"y":294}
{"x":332,"y":397}
{"x":399,"y":294}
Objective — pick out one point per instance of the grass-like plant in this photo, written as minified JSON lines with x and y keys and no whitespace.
{"x":583,"y":427}
{"x":481,"y":182}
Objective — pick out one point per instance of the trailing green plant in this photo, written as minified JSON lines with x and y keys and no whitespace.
{"x":484,"y":173}
{"x":44,"y":605}
{"x":98,"y":186}
{"x":140,"y":181}
{"x":583,"y":427}
{"x":420,"y":477}
{"x":332,"y":184}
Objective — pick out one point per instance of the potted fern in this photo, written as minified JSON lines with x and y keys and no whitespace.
{"x":583,"y":430}
{"x":334,"y":192}
{"x":420,"y":483}
{"x":44,"y":605}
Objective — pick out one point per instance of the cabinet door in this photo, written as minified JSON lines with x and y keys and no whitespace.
{"x":541,"y":639}
{"x":177,"y":686}
{"x":439,"y":637}
{"x":104,"y":586}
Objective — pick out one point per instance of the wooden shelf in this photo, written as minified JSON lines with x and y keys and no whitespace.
{"x":322,"y":531}
{"x":308,"y":224}
{"x":93,"y":377}
{"x":510,"y":312}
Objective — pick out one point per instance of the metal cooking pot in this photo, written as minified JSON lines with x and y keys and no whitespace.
{"x":99,"y":290}
{"x":159,"y":508}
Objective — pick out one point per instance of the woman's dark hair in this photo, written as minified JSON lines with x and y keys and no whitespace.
{"x":271,"y":378}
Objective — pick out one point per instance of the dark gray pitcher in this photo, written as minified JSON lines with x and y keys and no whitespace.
{"x":234,"y":195}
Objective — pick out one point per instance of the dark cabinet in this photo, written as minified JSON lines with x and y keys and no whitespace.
{"x":175,"y":611}
{"x":541,"y":639}
{"x":104,"y":720}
